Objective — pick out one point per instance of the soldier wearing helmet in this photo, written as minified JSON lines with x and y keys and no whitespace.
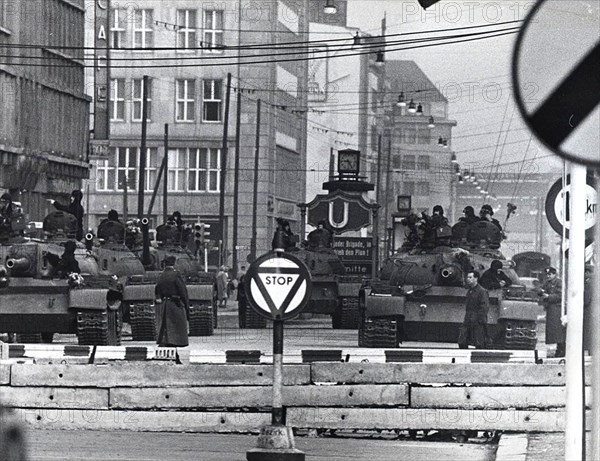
{"x":469,"y":215}
{"x":486,"y":213}
{"x":75,"y":208}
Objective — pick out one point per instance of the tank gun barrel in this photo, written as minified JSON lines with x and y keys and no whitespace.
{"x":16,"y":265}
{"x":89,"y":240}
{"x":450,"y":275}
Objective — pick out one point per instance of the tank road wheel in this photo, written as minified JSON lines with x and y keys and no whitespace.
{"x":142,"y":318}
{"x":253,"y":320}
{"x":99,"y":328}
{"x":516,"y":334}
{"x":201,"y":320}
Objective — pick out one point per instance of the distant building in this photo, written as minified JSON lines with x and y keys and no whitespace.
{"x":45,"y":111}
{"x":193,"y":46}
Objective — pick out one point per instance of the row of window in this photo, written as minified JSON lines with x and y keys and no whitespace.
{"x":135,"y":29}
{"x":184,"y":98}
{"x":188,"y":169}
{"x":411,"y":162}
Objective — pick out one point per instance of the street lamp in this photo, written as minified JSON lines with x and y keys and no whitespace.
{"x":411,"y":107}
{"x":330,"y":7}
{"x":419,"y":109}
{"x":380,"y":60}
{"x":401,"y":102}
{"x":431,"y":124}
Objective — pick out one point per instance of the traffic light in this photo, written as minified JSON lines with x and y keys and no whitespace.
{"x":201,"y":234}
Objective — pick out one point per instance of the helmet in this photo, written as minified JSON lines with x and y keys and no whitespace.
{"x":469,"y":210}
{"x":496,"y":264}
{"x":77,"y":195}
{"x":550,"y":270}
{"x":438,"y":208}
{"x":487,"y":209}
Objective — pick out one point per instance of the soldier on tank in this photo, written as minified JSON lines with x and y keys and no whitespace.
{"x":75,"y":208}
{"x":321,"y":237}
{"x":494,"y":278}
{"x":469,"y":215}
{"x":486,"y":213}
{"x":7,"y":213}
{"x":288,"y":237}
{"x":172,"y":307}
{"x":66,"y":264}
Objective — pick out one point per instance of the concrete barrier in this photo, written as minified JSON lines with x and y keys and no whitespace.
{"x":163,"y":396}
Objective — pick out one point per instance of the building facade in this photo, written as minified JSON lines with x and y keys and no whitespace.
{"x":45,"y":111}
{"x":187,"y":49}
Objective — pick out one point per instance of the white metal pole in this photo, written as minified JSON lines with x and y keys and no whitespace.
{"x":595,"y":340}
{"x":575,"y":412}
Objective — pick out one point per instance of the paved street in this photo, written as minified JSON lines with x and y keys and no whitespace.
{"x":143,"y":446}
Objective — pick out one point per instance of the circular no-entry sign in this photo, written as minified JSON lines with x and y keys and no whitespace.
{"x":556,"y":77}
{"x":278,"y":286}
{"x":558,"y":210}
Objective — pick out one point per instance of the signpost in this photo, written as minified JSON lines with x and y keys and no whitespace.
{"x":278,"y":287}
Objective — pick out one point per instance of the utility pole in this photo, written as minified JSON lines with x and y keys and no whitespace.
{"x":255,"y":192}
{"x":377,"y":201}
{"x":142,"y":171}
{"x":236,"y":184}
{"x":166,"y":178}
{"x":387,"y":193}
{"x":224,"y":168}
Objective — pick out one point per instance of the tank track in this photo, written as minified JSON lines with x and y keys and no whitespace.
{"x":142,"y":318}
{"x":99,"y":328}
{"x":253,"y":320}
{"x":346,"y":316}
{"x":202,"y":320}
{"x":378,"y":332}
{"x":517,"y":334}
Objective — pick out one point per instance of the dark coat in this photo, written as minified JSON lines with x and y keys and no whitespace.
{"x":76,"y":209}
{"x":555,"y":331}
{"x":474,"y":328}
{"x":490,"y":280}
{"x":173,"y":311}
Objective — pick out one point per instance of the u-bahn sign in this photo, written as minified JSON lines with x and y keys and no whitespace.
{"x":278,"y":286}
{"x":556,"y":77}
{"x":559,"y":215}
{"x":343,"y":211}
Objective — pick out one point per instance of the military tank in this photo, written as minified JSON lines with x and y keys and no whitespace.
{"x":139,"y":289}
{"x":39,"y":301}
{"x":333,"y":292}
{"x":420,"y":295}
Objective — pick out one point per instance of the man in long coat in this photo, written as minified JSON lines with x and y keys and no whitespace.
{"x":551,"y":300}
{"x":474,"y":328}
{"x":173,"y":310}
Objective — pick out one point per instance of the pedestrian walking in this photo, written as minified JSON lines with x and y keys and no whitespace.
{"x":551,"y":299}
{"x":172,"y":307}
{"x":474,"y":328}
{"x":222,"y":283}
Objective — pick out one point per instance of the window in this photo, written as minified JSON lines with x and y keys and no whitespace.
{"x":408,"y":135}
{"x":185,"y":100}
{"x":396,"y":162}
{"x":211,"y":101}
{"x":151,"y":163}
{"x":213,"y":31}
{"x":117,"y":100}
{"x":408,"y":162}
{"x":118,"y":22}
{"x":422,"y":188}
{"x":204,"y":168}
{"x":143,"y":34}
{"x":423,"y":162}
{"x":424,"y":136}
{"x":105,"y":174}
{"x":408,"y":188}
{"x":138,"y":97}
{"x":186,"y":33}
{"x":176,"y":170}
{"x":127,"y":167}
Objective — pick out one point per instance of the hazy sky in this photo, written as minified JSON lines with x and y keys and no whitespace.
{"x":475,"y":76}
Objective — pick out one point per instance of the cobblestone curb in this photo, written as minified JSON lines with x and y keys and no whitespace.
{"x":512,"y":447}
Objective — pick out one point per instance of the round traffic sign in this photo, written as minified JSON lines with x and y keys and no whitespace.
{"x":558,"y":210}
{"x":278,"y":286}
{"x":556,"y":77}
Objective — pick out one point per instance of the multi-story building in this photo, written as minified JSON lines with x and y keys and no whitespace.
{"x":45,"y":112}
{"x":187,"y":49}
{"x":344,"y":86}
{"x":420,"y":165}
